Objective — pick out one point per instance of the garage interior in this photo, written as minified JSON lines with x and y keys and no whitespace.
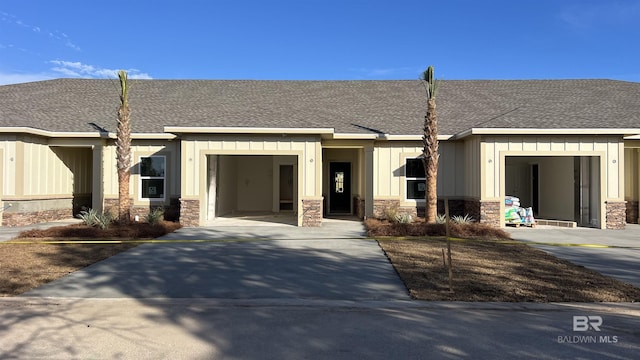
{"x":252,"y":189}
{"x":565,"y":188}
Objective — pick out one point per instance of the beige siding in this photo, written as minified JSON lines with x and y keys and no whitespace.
{"x":389,"y":169}
{"x":169,"y":149}
{"x":8,"y":170}
{"x":472,"y":167}
{"x":51,"y":171}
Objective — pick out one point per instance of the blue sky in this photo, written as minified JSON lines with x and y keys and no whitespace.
{"x":319,"y":39}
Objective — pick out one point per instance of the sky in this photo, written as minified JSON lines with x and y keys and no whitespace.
{"x":319,"y":39}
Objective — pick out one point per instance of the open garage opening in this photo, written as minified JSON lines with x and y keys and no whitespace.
{"x":561,"y":190}
{"x":252,"y":190}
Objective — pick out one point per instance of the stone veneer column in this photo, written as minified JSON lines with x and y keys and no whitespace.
{"x":189,"y":212}
{"x":616,"y":214}
{"x":311,"y":212}
{"x":490,"y":213}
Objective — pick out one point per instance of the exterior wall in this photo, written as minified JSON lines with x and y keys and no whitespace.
{"x":143,"y":148}
{"x":52,"y":179}
{"x":196,"y":148}
{"x":632,"y":180}
{"x":609,"y":149}
{"x":390,"y":157}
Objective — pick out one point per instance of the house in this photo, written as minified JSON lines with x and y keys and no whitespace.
{"x":570,"y":149}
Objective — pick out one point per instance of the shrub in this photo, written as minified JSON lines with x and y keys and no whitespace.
{"x":391,"y":213}
{"x":466,"y":219}
{"x":403,"y":219}
{"x":93,"y":218}
{"x":88,"y":217}
{"x":441,"y":219}
{"x":155,"y":216}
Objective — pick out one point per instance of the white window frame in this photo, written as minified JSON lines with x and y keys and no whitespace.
{"x":141,"y":178}
{"x":408,"y":178}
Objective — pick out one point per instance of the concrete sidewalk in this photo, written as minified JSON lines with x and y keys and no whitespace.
{"x":619,"y":256}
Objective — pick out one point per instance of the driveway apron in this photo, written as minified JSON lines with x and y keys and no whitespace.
{"x":614,"y":253}
{"x":335,"y":261}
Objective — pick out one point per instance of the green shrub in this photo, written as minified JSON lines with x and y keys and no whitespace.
{"x":93,"y":218}
{"x":441,"y":219}
{"x":466,"y":219}
{"x":88,"y":217}
{"x":155,"y":216}
{"x":403,"y":219}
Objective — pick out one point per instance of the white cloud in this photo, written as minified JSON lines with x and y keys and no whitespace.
{"x":60,"y":37}
{"x":80,"y":70}
{"x":69,"y":69}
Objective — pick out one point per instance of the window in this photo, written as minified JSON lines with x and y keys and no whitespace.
{"x":152,"y":177}
{"x":415,"y":177}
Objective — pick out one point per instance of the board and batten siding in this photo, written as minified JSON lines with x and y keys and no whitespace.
{"x":389,"y":169}
{"x":142,"y":148}
{"x":8,"y":146}
{"x":44,"y":171}
{"x":494,"y":149}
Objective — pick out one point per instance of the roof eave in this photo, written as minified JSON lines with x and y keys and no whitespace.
{"x":83,"y":135}
{"x":244,"y":130}
{"x":552,"y":131}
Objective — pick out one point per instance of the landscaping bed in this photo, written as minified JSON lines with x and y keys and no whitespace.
{"x":40,"y":256}
{"x":488,"y":266}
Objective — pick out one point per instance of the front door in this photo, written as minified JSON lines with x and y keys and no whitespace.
{"x":339,"y":188}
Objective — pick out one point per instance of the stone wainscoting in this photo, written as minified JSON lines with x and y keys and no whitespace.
{"x":616,"y":214}
{"x":312,"y":212}
{"x":459,"y":207}
{"x":189,"y":212}
{"x":632,"y":211}
{"x":490,"y":213}
{"x":10,"y":219}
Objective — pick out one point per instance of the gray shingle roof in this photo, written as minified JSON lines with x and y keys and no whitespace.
{"x":393,"y":107}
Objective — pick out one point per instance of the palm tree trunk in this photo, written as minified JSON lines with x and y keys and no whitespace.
{"x":430,"y":161}
{"x":123,"y":152}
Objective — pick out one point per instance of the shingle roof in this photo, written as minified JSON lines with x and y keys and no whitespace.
{"x":392,"y":107}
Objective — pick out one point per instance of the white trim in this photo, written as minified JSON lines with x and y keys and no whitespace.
{"x":538,"y":131}
{"x":73,"y":134}
{"x":415,"y":137}
{"x":246,"y":130}
{"x":142,"y":177}
{"x":407,"y":179}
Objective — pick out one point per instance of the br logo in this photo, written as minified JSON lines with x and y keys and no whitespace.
{"x":584,"y":323}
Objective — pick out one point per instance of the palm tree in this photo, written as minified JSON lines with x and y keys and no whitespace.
{"x":430,"y":153}
{"x":123,"y":150}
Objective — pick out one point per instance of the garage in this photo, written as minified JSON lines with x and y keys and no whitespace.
{"x":260,"y":188}
{"x":565,"y":188}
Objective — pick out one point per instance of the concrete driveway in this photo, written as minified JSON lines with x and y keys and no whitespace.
{"x":615,"y":253}
{"x":276,"y":262}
